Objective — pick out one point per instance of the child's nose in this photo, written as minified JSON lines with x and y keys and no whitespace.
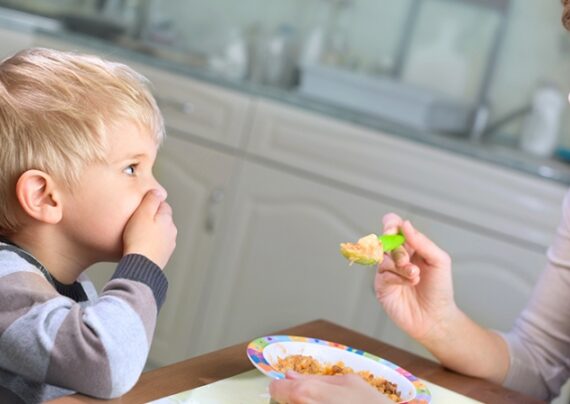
{"x":156,"y":185}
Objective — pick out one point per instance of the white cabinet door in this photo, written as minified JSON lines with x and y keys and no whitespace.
{"x":493,"y":278}
{"x":197,"y":180}
{"x":279,"y":261}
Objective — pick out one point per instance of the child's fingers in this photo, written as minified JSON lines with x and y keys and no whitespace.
{"x":164,"y":209}
{"x":151,"y":202}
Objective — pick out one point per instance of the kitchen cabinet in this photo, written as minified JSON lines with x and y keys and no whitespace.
{"x":198,"y":180}
{"x":488,"y":198}
{"x":495,"y":223}
{"x":280,"y":262}
{"x":199,"y":109}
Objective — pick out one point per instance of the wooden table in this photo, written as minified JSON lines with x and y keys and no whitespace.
{"x":231,"y":361}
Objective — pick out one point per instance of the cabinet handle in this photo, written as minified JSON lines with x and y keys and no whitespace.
{"x":186,"y":107}
{"x":212,"y":211}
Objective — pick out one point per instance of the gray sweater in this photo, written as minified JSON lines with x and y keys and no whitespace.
{"x":539,"y":343}
{"x":57,"y":339}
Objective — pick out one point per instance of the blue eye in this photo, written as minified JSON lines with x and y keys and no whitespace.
{"x":130,"y":170}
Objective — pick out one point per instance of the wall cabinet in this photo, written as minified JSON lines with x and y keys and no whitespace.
{"x":280,"y":263}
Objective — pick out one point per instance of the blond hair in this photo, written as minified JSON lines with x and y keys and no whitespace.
{"x":56,"y":109}
{"x":566,"y":14}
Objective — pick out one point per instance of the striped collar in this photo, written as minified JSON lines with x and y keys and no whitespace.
{"x":74,"y":291}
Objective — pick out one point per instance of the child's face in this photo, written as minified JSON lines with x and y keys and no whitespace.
{"x":96,"y":211}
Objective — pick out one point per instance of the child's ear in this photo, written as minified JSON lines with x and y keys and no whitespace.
{"x":39,"y":196}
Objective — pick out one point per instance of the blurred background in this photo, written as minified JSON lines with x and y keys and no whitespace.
{"x":294,"y":125}
{"x":496,"y":64}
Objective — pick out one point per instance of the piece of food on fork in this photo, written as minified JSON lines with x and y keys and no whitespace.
{"x":369,"y":250}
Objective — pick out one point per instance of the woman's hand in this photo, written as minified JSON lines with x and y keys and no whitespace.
{"x":298,"y":389}
{"x":414,"y":283}
{"x":414,"y":286}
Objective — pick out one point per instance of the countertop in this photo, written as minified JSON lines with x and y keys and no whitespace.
{"x":195,"y":67}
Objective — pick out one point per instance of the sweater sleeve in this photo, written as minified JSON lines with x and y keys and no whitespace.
{"x":99,"y":349}
{"x":539,"y":343}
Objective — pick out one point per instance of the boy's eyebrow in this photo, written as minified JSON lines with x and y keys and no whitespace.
{"x":130,"y":157}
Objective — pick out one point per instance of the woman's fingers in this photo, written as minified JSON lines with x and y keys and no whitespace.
{"x":343,"y":389}
{"x":391,"y":223}
{"x":423,"y":246}
{"x":335,"y":380}
{"x":299,"y":391}
{"x":400,"y":257}
{"x":398,"y":262}
{"x":408,"y":277}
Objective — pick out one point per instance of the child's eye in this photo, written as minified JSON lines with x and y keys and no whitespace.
{"x":131,"y":169}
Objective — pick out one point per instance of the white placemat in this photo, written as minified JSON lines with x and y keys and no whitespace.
{"x":251,"y":388}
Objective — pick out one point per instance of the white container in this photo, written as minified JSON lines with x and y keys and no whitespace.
{"x":542,"y":126}
{"x":402,"y":103}
{"x":277,"y":58}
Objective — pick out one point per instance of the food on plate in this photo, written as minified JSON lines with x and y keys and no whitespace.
{"x":366,"y":251}
{"x":308,"y":365}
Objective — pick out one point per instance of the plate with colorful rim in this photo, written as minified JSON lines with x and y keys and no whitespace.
{"x":264,"y":353}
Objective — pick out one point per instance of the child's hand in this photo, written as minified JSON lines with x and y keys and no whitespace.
{"x":297,"y":389}
{"x":413,"y":283}
{"x":150,"y":231}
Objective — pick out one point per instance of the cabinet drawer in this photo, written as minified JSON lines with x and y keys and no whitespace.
{"x":441,"y":184}
{"x":198,"y":108}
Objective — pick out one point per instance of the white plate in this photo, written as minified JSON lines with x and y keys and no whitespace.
{"x":264,"y":353}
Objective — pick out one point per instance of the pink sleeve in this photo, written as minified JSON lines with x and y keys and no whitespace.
{"x":539,"y":343}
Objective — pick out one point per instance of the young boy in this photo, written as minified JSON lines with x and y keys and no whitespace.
{"x":78,"y":139}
